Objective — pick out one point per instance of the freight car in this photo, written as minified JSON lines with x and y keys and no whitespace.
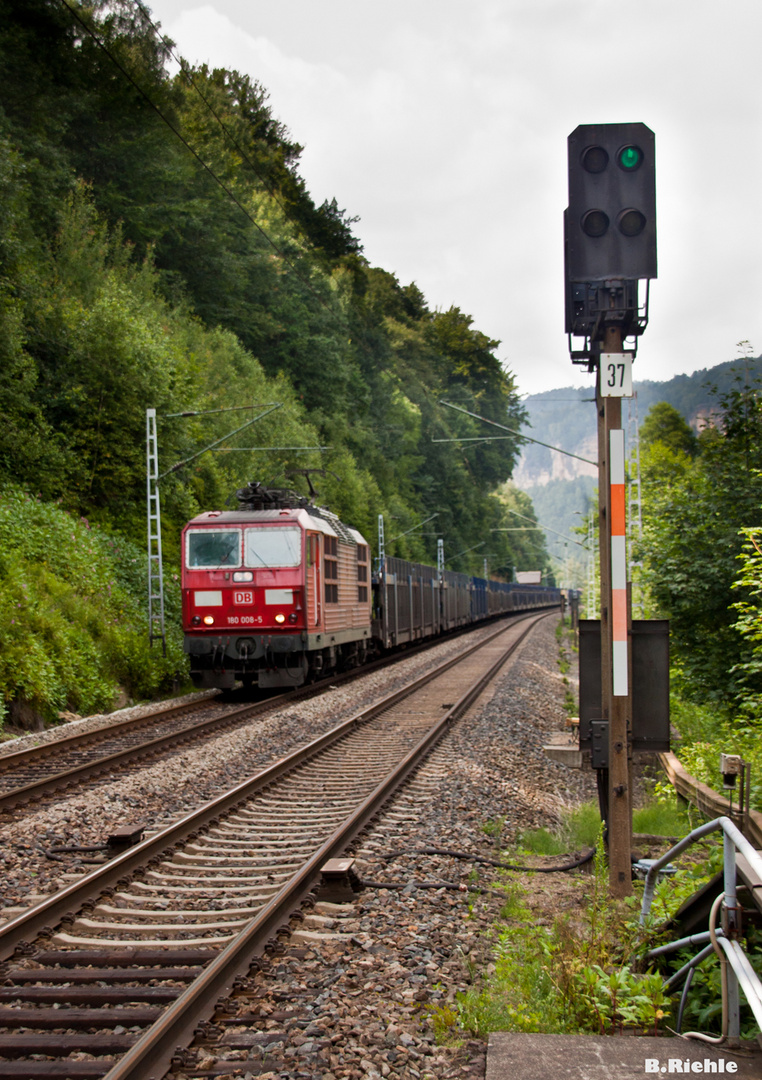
{"x":412,"y":601}
{"x":280,"y":591}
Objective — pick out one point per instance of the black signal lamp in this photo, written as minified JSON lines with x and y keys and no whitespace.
{"x":594,"y":159}
{"x":611,"y":220}
{"x":595,"y":223}
{"x":631,"y":222}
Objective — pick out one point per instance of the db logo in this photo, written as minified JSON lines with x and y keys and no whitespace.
{"x":243,"y":597}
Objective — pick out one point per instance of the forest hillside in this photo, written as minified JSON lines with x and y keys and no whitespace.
{"x":159,"y":248}
{"x":561,"y":487}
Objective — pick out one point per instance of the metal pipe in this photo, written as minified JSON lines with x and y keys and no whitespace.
{"x":684,"y":999}
{"x":727,"y":1021}
{"x":727,"y":826}
{"x":683,"y":943}
{"x":745,"y":974}
{"x":735,"y":967}
{"x":674,"y":980}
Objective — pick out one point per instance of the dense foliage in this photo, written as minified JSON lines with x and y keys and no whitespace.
{"x":73,"y":627}
{"x":698,"y":496}
{"x":159,"y":248}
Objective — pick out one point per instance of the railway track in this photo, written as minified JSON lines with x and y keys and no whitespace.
{"x":39,"y":771}
{"x":126,"y":963}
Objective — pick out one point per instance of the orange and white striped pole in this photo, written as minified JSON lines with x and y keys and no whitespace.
{"x":619,"y":663}
{"x":615,"y":698}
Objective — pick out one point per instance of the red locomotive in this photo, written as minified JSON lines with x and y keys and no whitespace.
{"x":280,"y":591}
{"x":274,"y":593}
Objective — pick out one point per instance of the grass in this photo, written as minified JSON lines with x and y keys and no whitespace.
{"x":579,"y":971}
{"x":664,"y":816}
{"x":579,"y":829}
{"x":493,"y":827}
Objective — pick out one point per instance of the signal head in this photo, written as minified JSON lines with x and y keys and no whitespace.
{"x":611,"y":221}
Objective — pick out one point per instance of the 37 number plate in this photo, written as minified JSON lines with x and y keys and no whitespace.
{"x":616,"y":374}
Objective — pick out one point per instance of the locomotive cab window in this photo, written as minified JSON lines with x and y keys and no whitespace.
{"x":212,"y":549}
{"x":266,"y":548}
{"x":331,"y":569}
{"x":362,"y":574}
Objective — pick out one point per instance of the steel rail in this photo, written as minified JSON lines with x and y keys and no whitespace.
{"x":707,"y":800}
{"x":37,"y":789}
{"x":151,"y":1055}
{"x":200,"y":999}
{"x":38,"y":919}
{"x":81,"y":739}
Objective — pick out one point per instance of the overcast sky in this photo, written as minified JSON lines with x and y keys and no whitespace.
{"x":442,"y":124}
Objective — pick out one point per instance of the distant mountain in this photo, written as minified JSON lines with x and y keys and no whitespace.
{"x":561,"y":486}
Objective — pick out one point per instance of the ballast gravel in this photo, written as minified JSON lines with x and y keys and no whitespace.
{"x":369,"y":988}
{"x":158,"y":793}
{"x":363,"y":989}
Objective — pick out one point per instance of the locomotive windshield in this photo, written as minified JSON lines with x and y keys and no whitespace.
{"x":209,"y":549}
{"x":269,"y":547}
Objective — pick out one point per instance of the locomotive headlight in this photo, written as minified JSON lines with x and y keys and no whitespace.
{"x":208,"y":620}
{"x":196,"y":620}
{"x":293,"y":617}
{"x":279,"y":618}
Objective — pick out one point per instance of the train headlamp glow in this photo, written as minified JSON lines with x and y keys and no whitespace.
{"x":279,"y":618}
{"x":208,"y":620}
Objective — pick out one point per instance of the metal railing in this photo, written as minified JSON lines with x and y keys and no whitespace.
{"x":737,"y":972}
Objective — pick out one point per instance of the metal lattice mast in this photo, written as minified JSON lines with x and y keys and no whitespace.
{"x":155,"y":569}
{"x":635,"y":508}
{"x":592,"y":570}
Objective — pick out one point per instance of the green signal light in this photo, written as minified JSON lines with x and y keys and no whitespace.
{"x":630,"y":158}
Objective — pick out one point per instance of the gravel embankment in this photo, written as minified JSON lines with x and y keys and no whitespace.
{"x":164,"y":790}
{"x":361,"y":986}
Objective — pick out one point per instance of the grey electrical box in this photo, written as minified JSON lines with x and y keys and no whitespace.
{"x":649,"y":642}
{"x":599,"y":744}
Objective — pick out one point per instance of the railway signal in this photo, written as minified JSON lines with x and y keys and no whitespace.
{"x":611,"y":221}
{"x":609,"y":248}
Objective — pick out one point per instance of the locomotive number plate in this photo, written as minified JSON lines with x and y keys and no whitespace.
{"x":243,"y":596}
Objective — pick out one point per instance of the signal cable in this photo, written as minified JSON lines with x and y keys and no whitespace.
{"x":472,"y":857}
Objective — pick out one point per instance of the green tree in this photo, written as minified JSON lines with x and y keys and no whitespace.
{"x":664,"y":424}
{"x":748,"y":622}
{"x":694,"y":509}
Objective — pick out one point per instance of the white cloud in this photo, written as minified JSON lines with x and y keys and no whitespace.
{"x":443,"y":124}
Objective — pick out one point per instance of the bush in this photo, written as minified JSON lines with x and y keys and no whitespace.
{"x":705,"y":734}
{"x":584,"y":972}
{"x":73,"y":625}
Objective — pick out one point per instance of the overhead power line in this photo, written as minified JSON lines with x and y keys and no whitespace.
{"x":513,"y":431}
